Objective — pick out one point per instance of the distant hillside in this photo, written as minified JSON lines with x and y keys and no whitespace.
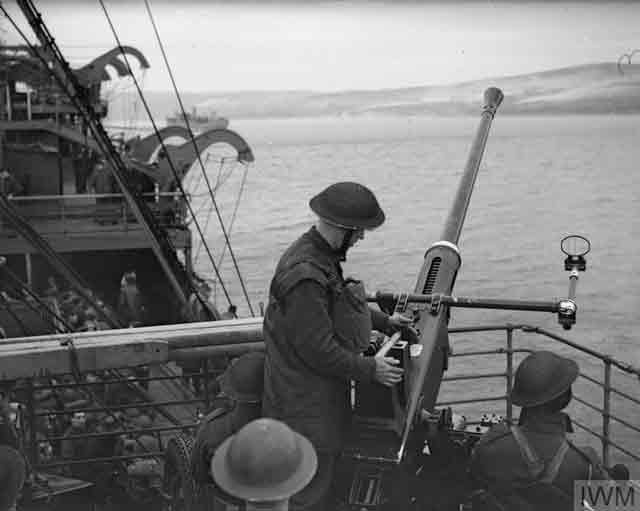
{"x":588,"y":89}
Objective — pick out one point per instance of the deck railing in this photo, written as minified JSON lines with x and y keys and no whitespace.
{"x":206,"y":401}
{"x":106,"y":208}
{"x":608,"y":389}
{"x":31,"y":415}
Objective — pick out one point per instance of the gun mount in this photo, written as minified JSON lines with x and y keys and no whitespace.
{"x":392,"y":426}
{"x":425,"y":362}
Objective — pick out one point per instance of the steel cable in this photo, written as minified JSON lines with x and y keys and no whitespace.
{"x":224,"y":231}
{"x":171,"y":165}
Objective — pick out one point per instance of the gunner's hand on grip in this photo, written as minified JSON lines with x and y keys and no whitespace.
{"x":387,"y":373}
{"x":398,"y":320}
{"x":404,"y":324}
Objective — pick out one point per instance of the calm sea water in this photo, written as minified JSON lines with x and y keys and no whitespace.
{"x":541,"y":179}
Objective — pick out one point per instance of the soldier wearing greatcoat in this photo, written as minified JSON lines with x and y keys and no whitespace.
{"x":317,"y":326}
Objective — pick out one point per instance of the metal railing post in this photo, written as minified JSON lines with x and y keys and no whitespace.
{"x":606,"y":412}
{"x":31,"y":411}
{"x":206,"y":379}
{"x":63,"y":215}
{"x":509,"y":374}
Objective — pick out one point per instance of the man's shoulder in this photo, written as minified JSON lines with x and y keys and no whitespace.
{"x":299,"y":266}
{"x":306,"y":268}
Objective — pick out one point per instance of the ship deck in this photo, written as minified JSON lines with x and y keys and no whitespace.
{"x":433,"y":473}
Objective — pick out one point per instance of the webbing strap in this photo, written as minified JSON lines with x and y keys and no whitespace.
{"x":535,"y":465}
{"x":553,"y":467}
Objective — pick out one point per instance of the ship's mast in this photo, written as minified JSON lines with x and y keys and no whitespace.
{"x":159,"y":241}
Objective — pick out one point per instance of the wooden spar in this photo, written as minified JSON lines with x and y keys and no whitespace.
{"x":179,"y":335}
{"x":32,"y":360}
{"x":438,"y":274}
{"x":111,"y":349}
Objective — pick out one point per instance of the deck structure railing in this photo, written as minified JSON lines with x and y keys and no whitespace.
{"x":206,"y":401}
{"x":107,"y":208}
{"x":608,"y":389}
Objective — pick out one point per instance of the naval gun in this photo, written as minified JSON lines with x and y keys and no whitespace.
{"x":390,"y":424}
{"x":425,"y":361}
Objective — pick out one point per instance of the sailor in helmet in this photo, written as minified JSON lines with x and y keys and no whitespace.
{"x":264,"y":464}
{"x":241,"y":384}
{"x":317,"y":326}
{"x":534,"y":465}
{"x":12,"y":463}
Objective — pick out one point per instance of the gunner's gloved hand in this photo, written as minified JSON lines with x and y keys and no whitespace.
{"x":398,"y":320}
{"x":404,"y":324}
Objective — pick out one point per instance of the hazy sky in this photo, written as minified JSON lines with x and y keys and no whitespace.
{"x":226,"y":46}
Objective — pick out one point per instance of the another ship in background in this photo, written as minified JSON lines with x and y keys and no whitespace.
{"x":198,"y":121}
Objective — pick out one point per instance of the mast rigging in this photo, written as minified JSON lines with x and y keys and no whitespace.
{"x":159,"y":241}
{"x":202,"y":168}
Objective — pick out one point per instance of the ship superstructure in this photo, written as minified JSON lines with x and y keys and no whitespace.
{"x":60,"y":213}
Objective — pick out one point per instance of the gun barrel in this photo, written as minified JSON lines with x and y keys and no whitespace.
{"x":453,"y":226}
{"x":438,"y":275}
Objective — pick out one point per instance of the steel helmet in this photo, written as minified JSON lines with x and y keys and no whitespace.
{"x":348,"y":205}
{"x":265,"y":461}
{"x":244,"y":378}
{"x":541,"y":377}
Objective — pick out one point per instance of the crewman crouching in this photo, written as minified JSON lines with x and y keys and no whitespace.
{"x":242,"y":384}
{"x":12,"y":463}
{"x":533,"y":465}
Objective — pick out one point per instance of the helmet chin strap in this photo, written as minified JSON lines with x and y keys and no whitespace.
{"x":346,"y":240}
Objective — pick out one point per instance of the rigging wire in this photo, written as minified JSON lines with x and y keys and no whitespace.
{"x":232,"y":221}
{"x":221,"y":179}
{"x":235,"y":211}
{"x":19,"y":285}
{"x":233,"y":214}
{"x":7,"y":306}
{"x":171,"y":165}
{"x":224,"y":231}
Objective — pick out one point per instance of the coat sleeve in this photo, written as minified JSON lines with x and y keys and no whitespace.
{"x":313,"y":338}
{"x":380,"y":321}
